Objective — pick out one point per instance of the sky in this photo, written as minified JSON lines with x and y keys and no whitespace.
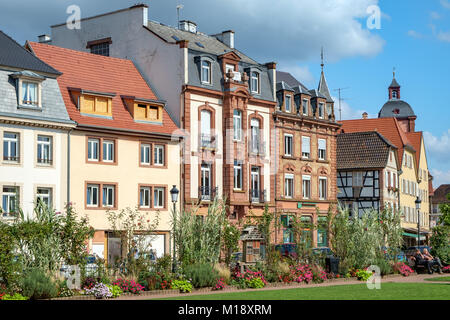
{"x":412,"y":35}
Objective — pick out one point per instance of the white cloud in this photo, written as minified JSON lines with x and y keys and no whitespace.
{"x":443,"y":36}
{"x":440,"y":177}
{"x":445,"y":4}
{"x":415,"y":34}
{"x":438,"y":147}
{"x":435,"y":15}
{"x":347,"y":112}
{"x":301,"y":73}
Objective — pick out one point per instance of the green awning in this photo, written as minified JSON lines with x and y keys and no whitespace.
{"x":412,"y":235}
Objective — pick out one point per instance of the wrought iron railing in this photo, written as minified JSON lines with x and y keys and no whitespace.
{"x":207,"y":193}
{"x":8,"y":158}
{"x":207,"y":141}
{"x":257,"y":196}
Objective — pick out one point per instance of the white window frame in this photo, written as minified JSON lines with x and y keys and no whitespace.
{"x":45,"y":197}
{"x":8,"y":195}
{"x":9,"y":141}
{"x":288,"y":185}
{"x":306,"y":155}
{"x":206,"y":65}
{"x":304,"y":189}
{"x":37,"y":93}
{"x":158,"y":155}
{"x":305,"y":105}
{"x":157,"y":193}
{"x":41,"y":147}
{"x":146,"y":154}
{"x":237,"y":125}
{"x":89,"y":202}
{"x":323,"y":194}
{"x":324,"y":150}
{"x":288,"y":106}
{"x":109,"y":153}
{"x":108,"y":201}
{"x":238,"y":178}
{"x":145,"y":195}
{"x":321,"y":108}
{"x":288,"y":144}
{"x":91,"y":143}
{"x":255,"y":77}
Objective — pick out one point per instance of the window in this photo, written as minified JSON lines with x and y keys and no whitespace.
{"x":322,"y":144}
{"x":144,"y":197}
{"x":237,"y":125}
{"x":93,"y":149}
{"x":306,"y":147}
{"x":98,"y":105}
{"x":357,"y":179}
{"x":322,"y":188}
{"x":108,"y":195}
{"x":387,"y":178}
{"x":145,"y":154}
{"x":288,"y":103}
{"x":100,"y":49}
{"x":321,"y":106}
{"x":29,"y":93}
{"x":254,"y":82}
{"x":11,"y":146}
{"x":305,"y":107}
{"x":394,"y":94}
{"x":159,"y":155}
{"x":205,"y":129}
{"x":306,"y":186}
{"x":158,"y":199}
{"x":255,"y":188}
{"x":237,"y":175}
{"x":322,"y":232}
{"x":288,"y":145}
{"x":108,"y":151}
{"x":206,"y":72}
{"x":10,"y":199}
{"x":44,"y":150}
{"x":255,"y":136}
{"x":147,"y":112}
{"x":92,"y":196}
{"x":289,"y":185}
{"x":44,"y":196}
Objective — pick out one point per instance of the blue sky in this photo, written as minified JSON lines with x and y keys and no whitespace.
{"x":414,"y":38}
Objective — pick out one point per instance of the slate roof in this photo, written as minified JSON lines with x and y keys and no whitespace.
{"x":284,"y":86}
{"x":396,"y":108}
{"x":102,"y":74}
{"x":388,"y":127}
{"x":210,"y":43}
{"x":394,"y":84}
{"x":440,"y":194}
{"x":361,"y":150}
{"x":323,"y":88}
{"x":14,"y":55}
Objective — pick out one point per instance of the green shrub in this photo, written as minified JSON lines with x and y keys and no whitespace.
{"x":115,"y":290}
{"x":15,"y":296}
{"x":37,"y":285}
{"x":164,"y":263}
{"x":185,"y":286}
{"x":384,"y":265}
{"x":63,"y":289}
{"x":363,"y":275}
{"x":201,"y":275}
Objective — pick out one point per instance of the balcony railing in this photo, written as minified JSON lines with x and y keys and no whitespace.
{"x":207,"y":141}
{"x":8,"y":158}
{"x":45,"y":161}
{"x":257,"y":147}
{"x":207,"y":193}
{"x":257,"y":196}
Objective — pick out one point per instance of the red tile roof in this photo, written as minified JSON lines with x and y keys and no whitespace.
{"x":388,"y":127}
{"x":101,"y":74}
{"x":415,"y":138}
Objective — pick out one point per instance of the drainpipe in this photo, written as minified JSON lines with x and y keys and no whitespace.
{"x":68,"y":165}
{"x":275,"y":186}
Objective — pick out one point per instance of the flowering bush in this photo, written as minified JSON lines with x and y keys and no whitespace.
{"x":363,"y":274}
{"x":128,"y":286}
{"x":446,"y":269}
{"x":185,"y":286}
{"x":115,"y":290}
{"x":249,"y":279}
{"x":220,"y":285}
{"x":99,"y":291}
{"x":16,"y":296}
{"x":402,"y":268}
{"x":89,"y":283}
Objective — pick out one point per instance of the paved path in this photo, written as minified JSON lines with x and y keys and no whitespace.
{"x":414,"y":278}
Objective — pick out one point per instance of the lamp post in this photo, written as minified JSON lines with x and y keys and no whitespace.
{"x":174,"y":194}
{"x":418,"y":202}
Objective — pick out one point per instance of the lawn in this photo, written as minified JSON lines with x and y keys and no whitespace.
{"x":388,"y":291}
{"x":439,"y":279}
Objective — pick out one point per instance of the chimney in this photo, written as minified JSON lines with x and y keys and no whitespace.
{"x":365,"y":115}
{"x":44,"y":38}
{"x":272,"y":66}
{"x":187,"y":25}
{"x":228,"y":38}
{"x":144,"y":12}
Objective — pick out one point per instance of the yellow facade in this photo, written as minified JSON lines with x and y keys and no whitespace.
{"x":423,"y":188}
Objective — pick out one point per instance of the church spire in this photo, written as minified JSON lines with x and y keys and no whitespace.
{"x":394,"y":88}
{"x":323,"y":87}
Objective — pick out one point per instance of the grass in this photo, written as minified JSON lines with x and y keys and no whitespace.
{"x":388,"y":291}
{"x":439,"y":279}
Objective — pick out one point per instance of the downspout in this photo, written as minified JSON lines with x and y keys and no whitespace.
{"x":276,"y":179}
{"x":68,"y":165}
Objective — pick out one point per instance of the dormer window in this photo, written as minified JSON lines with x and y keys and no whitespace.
{"x":288,"y":103}
{"x":254,"y":82}
{"x":206,"y":72}
{"x":321,"y":107}
{"x":28,"y":89}
{"x":148,"y":112}
{"x":305,"y":107}
{"x":96,"y":105}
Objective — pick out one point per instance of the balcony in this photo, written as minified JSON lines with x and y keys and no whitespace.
{"x":208,"y":141}
{"x":257,"y":196}
{"x":257,"y":147}
{"x":207,"y":193}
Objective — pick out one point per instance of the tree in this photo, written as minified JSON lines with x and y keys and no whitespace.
{"x":440,"y":238}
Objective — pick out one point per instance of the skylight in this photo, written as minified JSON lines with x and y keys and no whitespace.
{"x":175,"y":38}
{"x":200,"y":44}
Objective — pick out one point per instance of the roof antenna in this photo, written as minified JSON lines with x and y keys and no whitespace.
{"x":179,"y":7}
{"x":393,"y":72}
{"x":340,"y":100}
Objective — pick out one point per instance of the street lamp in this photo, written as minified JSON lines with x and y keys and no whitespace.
{"x":418,"y":202}
{"x":174,"y":194}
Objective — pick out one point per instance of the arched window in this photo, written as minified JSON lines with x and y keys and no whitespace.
{"x":237,"y":124}
{"x":205,"y":128}
{"x":255,"y":136}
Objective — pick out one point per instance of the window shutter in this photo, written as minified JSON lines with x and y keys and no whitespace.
{"x":322,"y":144}
{"x":306,"y":144}
{"x":206,"y":122}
